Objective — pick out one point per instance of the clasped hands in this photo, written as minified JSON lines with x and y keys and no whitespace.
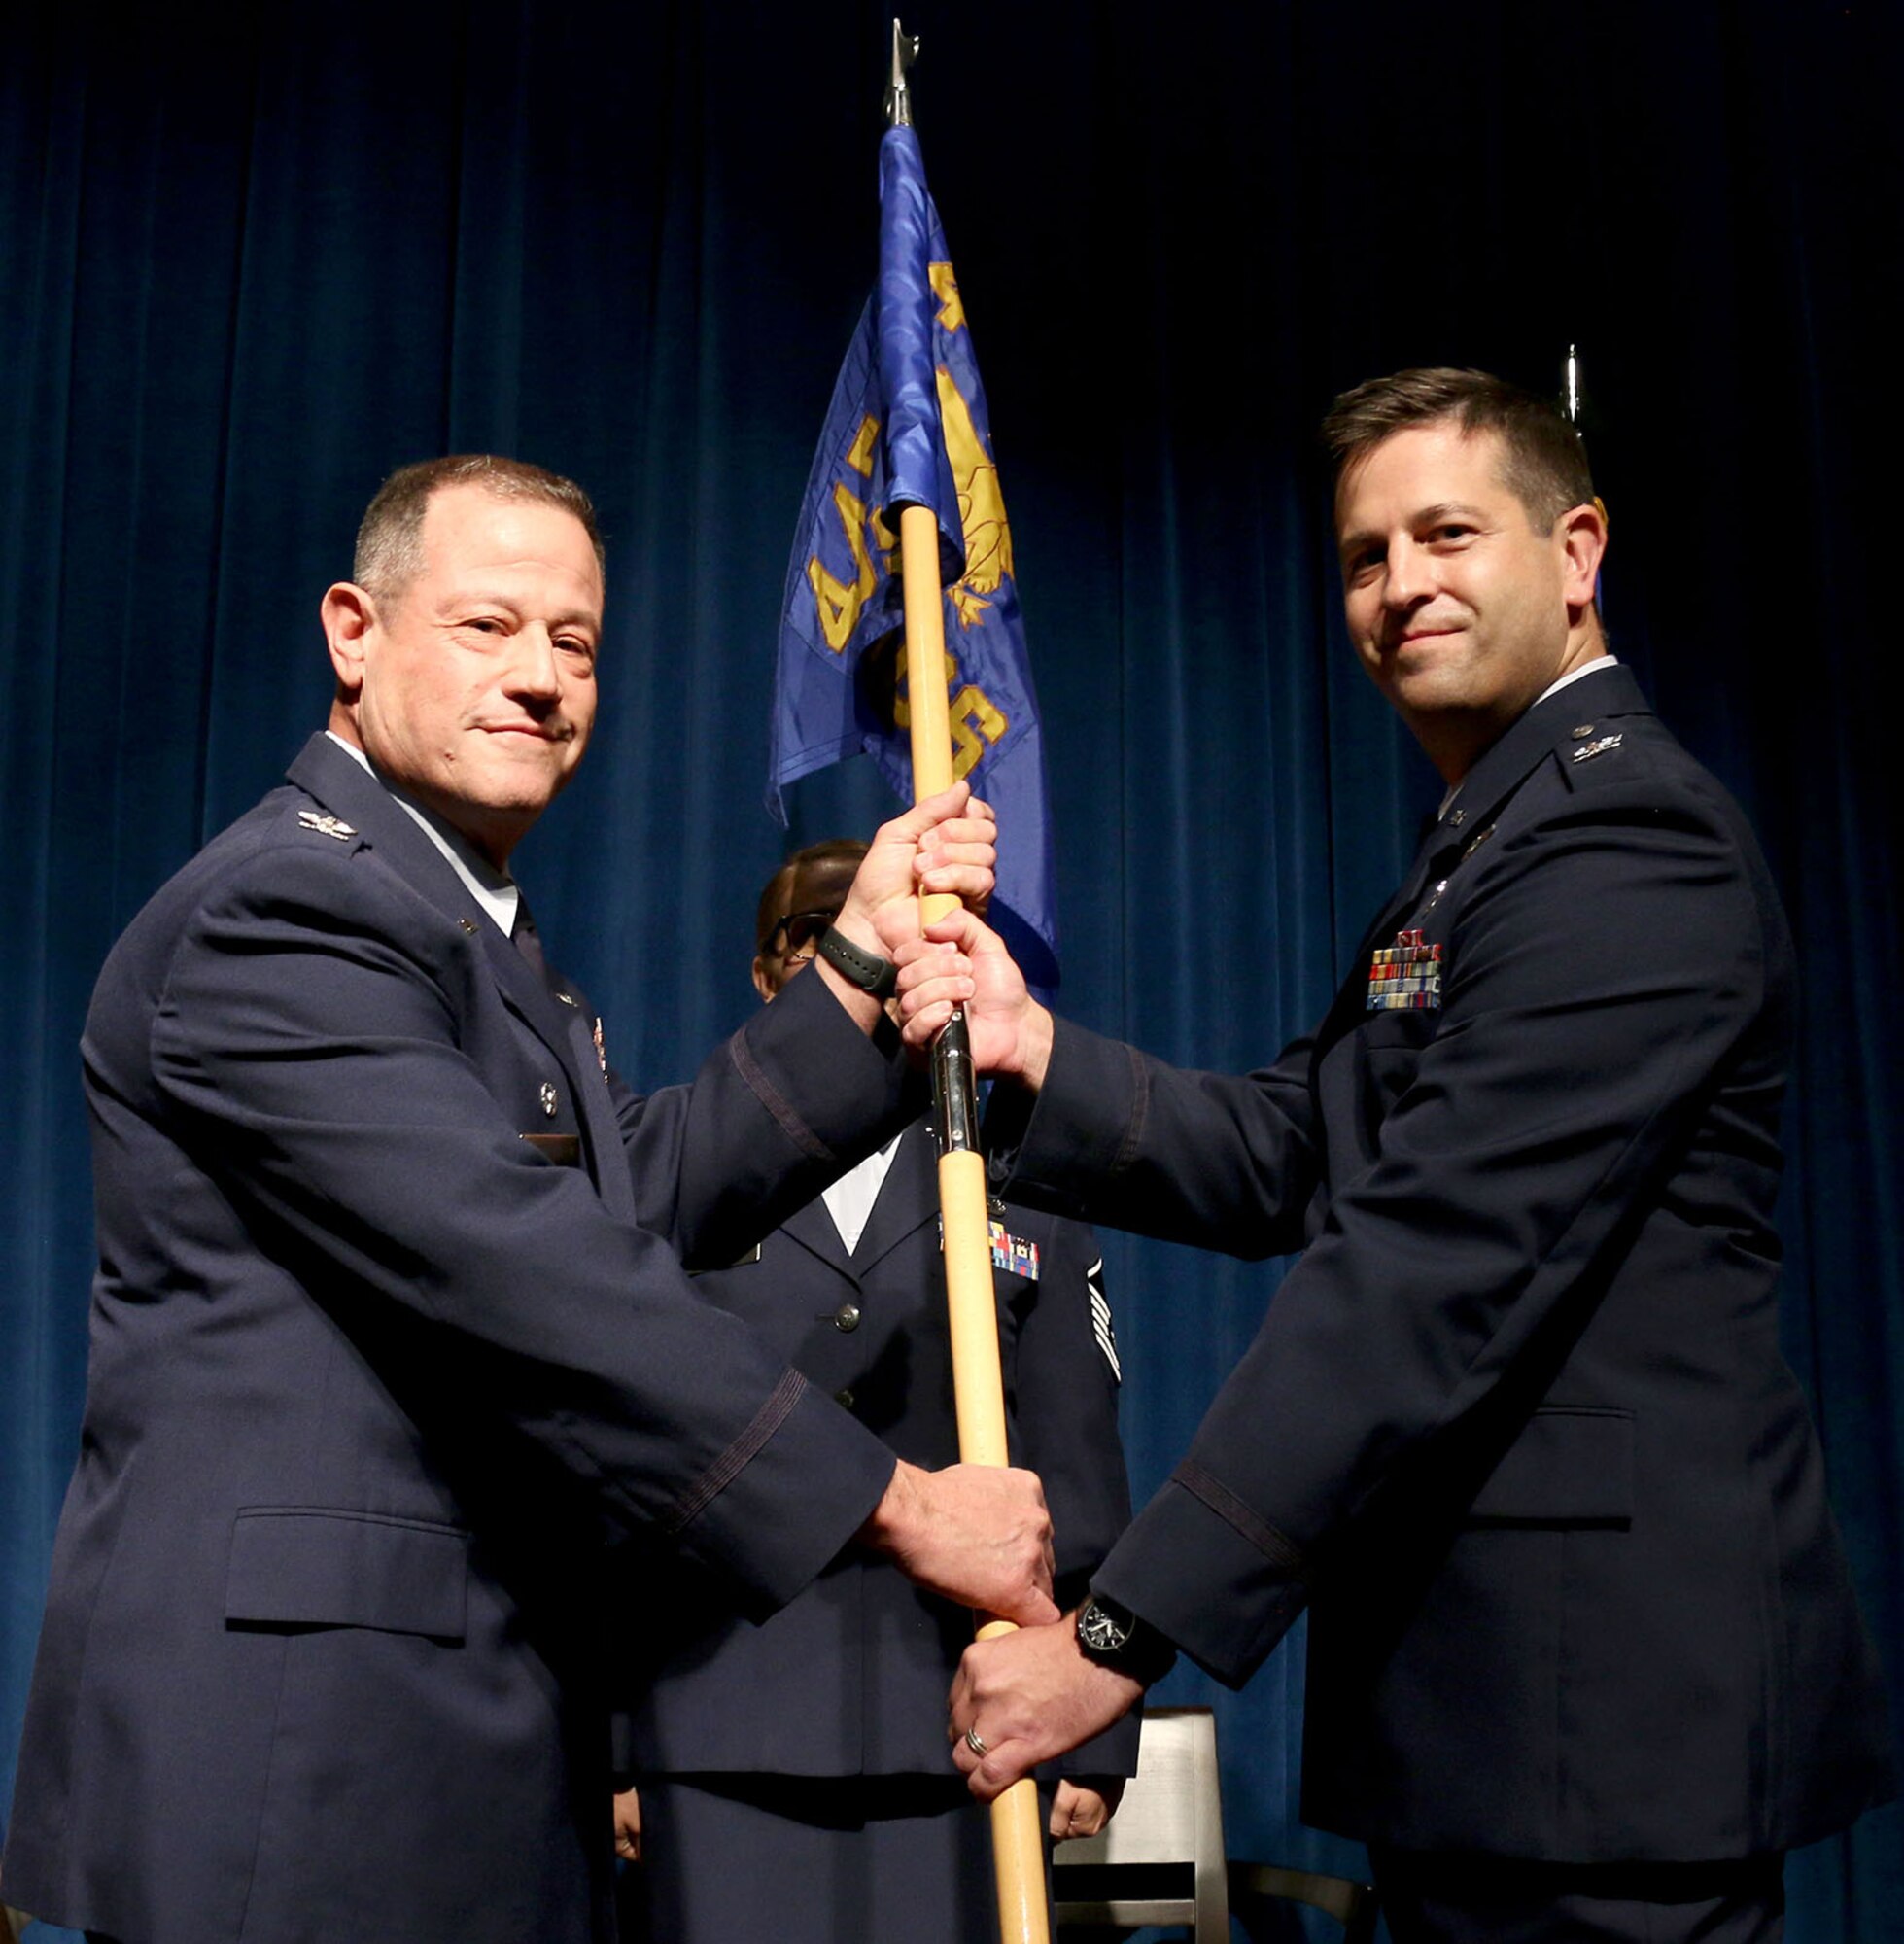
{"x":959,"y":961}
{"x":944,"y":845}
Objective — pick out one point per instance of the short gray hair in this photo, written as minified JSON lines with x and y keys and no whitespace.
{"x":390,"y":540}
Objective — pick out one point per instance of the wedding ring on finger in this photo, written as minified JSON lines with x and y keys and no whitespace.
{"x":976,"y":1742}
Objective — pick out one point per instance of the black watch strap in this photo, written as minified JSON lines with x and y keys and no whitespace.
{"x":1115,"y":1636}
{"x":870,"y":973}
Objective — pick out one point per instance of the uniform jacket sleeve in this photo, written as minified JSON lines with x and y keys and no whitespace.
{"x":318,"y":1038}
{"x":1487,"y":1164}
{"x":718,"y":1165}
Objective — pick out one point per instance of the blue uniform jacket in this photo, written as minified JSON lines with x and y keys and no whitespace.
{"x":371,"y":1378}
{"x":851,"y":1677}
{"x":1517,"y":1422}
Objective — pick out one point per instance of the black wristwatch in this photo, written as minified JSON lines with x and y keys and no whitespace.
{"x":1116,"y":1638}
{"x":870,"y":974}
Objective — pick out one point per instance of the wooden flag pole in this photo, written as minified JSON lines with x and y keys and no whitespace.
{"x":978,"y":1386}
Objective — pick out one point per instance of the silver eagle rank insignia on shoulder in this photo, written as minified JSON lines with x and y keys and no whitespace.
{"x":326,"y":826}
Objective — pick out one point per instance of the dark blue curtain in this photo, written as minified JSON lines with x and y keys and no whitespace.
{"x":246,"y":269}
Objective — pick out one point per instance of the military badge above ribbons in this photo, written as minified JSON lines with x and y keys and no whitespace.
{"x":908,"y":426}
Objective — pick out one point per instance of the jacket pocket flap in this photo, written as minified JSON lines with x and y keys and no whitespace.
{"x":309,"y":1566}
{"x":1568,"y":1466}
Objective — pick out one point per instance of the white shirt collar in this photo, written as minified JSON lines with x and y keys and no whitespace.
{"x":493,"y":890}
{"x":849,"y":1200}
{"x":1567,"y":681}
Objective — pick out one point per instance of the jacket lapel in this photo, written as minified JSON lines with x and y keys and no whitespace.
{"x":1484,"y":794}
{"x":908,"y":1198}
{"x":812,"y":1227}
{"x":1439,"y":845}
{"x":343,"y":787}
{"x":560,"y":1019}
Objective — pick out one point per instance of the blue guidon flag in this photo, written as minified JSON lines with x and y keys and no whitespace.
{"x":907,"y":427}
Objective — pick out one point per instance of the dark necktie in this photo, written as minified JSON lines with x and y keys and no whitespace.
{"x":522,"y":937}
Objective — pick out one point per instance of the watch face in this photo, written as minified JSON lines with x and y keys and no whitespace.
{"x":1099,"y":1632}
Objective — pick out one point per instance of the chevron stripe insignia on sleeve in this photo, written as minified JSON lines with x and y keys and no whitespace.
{"x":1100,"y":1317}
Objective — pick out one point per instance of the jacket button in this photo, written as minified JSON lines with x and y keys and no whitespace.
{"x":846,"y":1316}
{"x":843,"y":1398}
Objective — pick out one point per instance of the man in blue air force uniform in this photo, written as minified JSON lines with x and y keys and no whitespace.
{"x":391,"y":1328}
{"x":1586,"y":1658}
{"x":813,"y":1746}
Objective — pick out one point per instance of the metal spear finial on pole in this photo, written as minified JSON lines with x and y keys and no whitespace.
{"x":1570,"y":403}
{"x":898,"y":97}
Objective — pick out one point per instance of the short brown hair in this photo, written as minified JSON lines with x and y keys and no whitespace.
{"x":390,"y":540}
{"x":1543,"y":462}
{"x":776,"y":900}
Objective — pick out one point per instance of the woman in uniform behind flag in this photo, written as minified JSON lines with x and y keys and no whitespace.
{"x":791,"y":1778}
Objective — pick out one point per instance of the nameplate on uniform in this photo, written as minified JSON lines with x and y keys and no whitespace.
{"x":1405,"y":976}
{"x":1012,"y":1253}
{"x":564,"y":1150}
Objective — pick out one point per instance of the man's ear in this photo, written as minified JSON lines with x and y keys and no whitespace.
{"x":348,"y":614}
{"x":1583,"y":540}
{"x":761,"y":983}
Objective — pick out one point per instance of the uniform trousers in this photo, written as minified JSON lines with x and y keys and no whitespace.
{"x":739,"y":1858}
{"x":1446,"y":1900}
